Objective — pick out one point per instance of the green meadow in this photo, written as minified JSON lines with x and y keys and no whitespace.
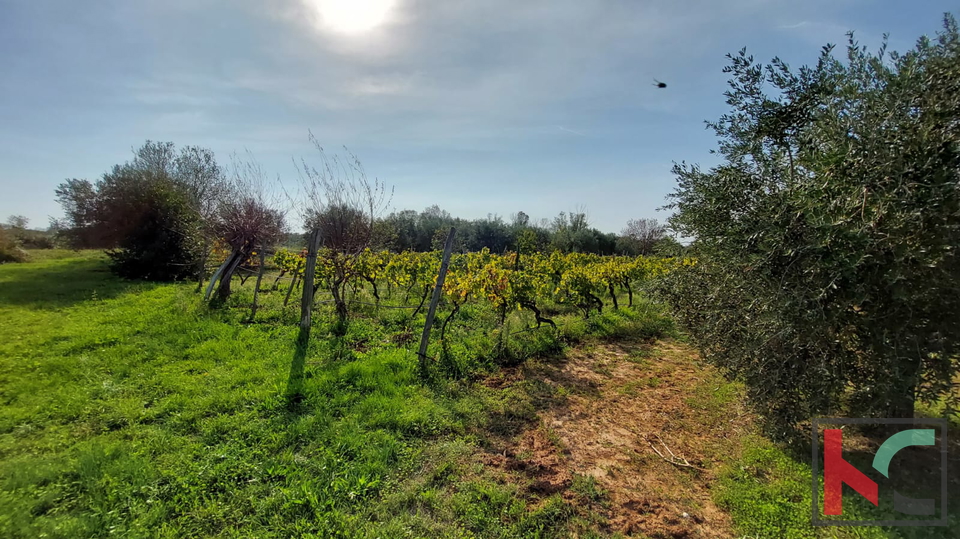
{"x":131,"y":409}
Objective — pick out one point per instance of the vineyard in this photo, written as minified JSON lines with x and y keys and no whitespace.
{"x":486,"y":301}
{"x":179,"y":412}
{"x":511,"y":280}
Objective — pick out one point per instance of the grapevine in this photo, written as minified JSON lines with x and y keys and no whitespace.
{"x":502,"y":281}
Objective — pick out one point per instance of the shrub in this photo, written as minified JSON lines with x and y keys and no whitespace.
{"x":9,"y":250}
{"x":154,"y":211}
{"x":162,"y":242}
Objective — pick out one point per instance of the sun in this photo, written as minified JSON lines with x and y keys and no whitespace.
{"x":352,"y":16}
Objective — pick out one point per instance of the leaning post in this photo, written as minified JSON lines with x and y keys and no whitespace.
{"x":432,"y":310}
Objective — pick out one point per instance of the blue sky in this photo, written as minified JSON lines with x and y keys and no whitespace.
{"x":479,"y":106}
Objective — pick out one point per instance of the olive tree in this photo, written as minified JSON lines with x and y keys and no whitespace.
{"x":157,"y":211}
{"x":827,"y":275}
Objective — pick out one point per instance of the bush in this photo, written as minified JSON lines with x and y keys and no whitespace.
{"x":827,"y":276}
{"x":35,"y":239}
{"x":9,"y":250}
{"x":149,"y":210}
{"x":162,"y":243}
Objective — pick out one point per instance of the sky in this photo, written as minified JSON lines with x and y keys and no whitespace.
{"x":478,"y":106}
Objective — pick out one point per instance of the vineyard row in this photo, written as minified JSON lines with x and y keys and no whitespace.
{"x":506,"y":281}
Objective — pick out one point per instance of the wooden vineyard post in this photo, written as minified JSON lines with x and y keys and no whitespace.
{"x":432,"y":310}
{"x":216,"y":275}
{"x":306,"y":304}
{"x":256,"y":291}
{"x":293,"y":283}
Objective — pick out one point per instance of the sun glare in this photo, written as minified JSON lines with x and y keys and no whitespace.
{"x":353,"y":16}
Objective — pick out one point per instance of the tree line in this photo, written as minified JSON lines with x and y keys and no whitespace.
{"x":571,"y":232}
{"x":162,"y":212}
{"x":16,"y":237}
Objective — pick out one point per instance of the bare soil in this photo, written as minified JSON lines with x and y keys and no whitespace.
{"x":601,"y":410}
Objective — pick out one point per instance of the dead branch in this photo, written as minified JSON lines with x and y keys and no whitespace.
{"x":673,"y":458}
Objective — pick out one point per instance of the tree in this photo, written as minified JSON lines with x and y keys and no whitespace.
{"x":432,"y":220}
{"x":340,"y":201}
{"x":119,"y":211}
{"x":404,"y":223}
{"x":18,"y":222}
{"x":155,"y":156}
{"x":579,"y":220}
{"x":491,"y":233}
{"x":533,"y":239}
{"x":459,"y":240}
{"x":196,"y":171}
{"x":207,"y":187}
{"x":385,"y":235}
{"x":158,"y":242}
{"x":520,"y":220}
{"x":246,"y":218}
{"x":827,"y":273}
{"x":641,"y":235}
{"x":668,"y":247}
{"x":584,"y":241}
{"x":606,"y":243}
{"x":78,"y":198}
{"x":571,"y":232}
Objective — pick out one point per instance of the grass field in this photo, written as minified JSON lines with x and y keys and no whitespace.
{"x":131,"y":410}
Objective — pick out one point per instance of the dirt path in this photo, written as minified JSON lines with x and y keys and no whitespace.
{"x":600,"y":410}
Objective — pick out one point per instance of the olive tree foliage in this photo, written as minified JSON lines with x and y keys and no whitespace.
{"x":571,"y":232}
{"x":338,"y":199}
{"x":203,"y":182}
{"x":156,"y":211}
{"x":827,"y":276}
{"x":156,"y":230}
{"x":207,"y":187}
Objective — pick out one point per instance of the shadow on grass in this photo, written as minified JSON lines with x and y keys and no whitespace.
{"x":294,"y":393}
{"x":56,"y":284}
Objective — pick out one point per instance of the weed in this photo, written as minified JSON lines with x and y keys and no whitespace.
{"x":586,"y":487}
{"x":631,"y":389}
{"x":555,"y":440}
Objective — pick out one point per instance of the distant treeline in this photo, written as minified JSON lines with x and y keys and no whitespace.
{"x":103,"y":214}
{"x":409,"y":230}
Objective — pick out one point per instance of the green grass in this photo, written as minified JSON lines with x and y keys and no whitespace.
{"x":131,"y":410}
{"x":586,"y":487}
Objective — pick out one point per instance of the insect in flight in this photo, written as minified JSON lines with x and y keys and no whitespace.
{"x":659,"y":84}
